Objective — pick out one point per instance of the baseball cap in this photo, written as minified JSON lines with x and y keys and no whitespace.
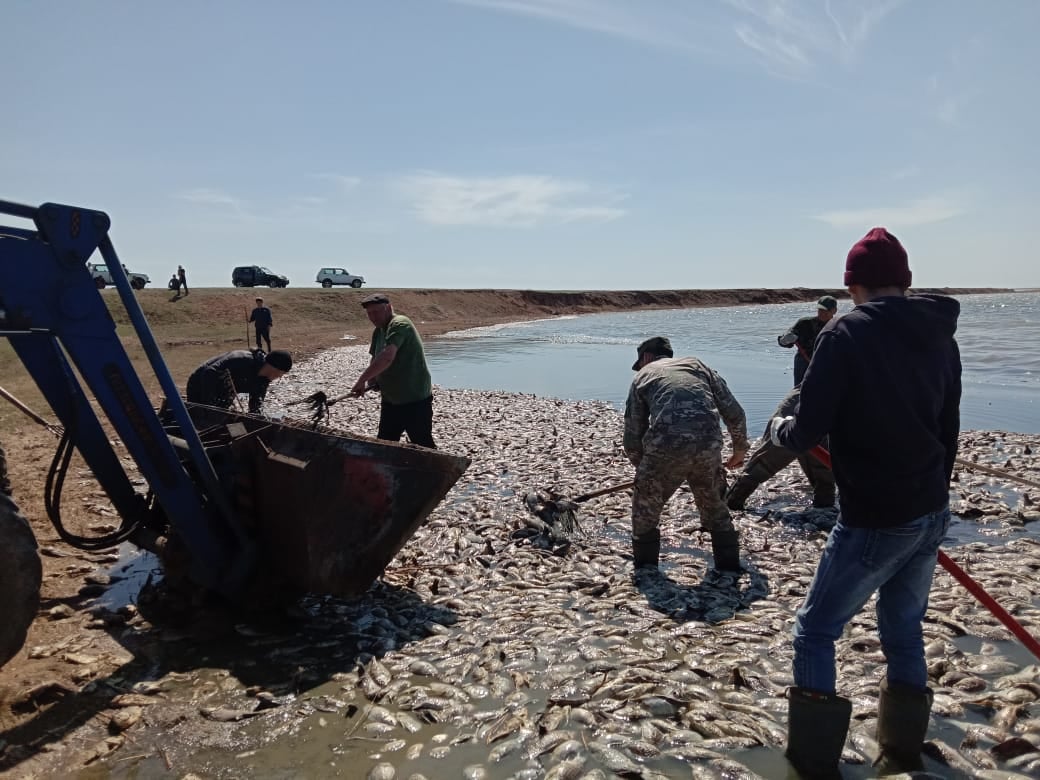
{"x":657,"y":345}
{"x":374,"y":299}
{"x":828,"y":302}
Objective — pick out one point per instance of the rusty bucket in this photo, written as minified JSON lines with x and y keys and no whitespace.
{"x":329,"y":510}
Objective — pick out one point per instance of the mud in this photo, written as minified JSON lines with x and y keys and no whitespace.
{"x":484,"y":651}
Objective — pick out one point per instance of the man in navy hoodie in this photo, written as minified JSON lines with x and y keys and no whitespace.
{"x":885,"y":384}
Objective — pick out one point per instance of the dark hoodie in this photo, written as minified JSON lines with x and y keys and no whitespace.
{"x":885,"y":384}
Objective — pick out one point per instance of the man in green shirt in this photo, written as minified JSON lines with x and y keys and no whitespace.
{"x":398,"y":370}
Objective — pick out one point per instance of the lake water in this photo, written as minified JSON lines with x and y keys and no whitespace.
{"x":590,"y":357}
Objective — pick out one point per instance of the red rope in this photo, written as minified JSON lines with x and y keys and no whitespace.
{"x":965,"y":579}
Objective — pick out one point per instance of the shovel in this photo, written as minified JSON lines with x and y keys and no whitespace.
{"x":558,"y":514}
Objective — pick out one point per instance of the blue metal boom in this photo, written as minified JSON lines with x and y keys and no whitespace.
{"x":52,"y":313}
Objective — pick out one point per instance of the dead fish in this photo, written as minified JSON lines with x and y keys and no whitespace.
{"x":227,"y":714}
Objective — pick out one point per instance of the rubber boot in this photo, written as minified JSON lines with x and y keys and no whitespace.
{"x":902,"y":723}
{"x":725,"y":548}
{"x":646,"y":549}
{"x":817,"y":724}
{"x":740,"y":491}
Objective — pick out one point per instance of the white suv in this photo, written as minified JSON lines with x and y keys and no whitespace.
{"x":330,"y":276}
{"x":103,"y":277}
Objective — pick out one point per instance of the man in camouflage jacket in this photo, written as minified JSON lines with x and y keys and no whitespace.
{"x":672,"y":435}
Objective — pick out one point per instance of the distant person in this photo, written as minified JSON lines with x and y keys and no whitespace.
{"x":262,"y":322}
{"x":182,"y":279}
{"x":398,"y":370}
{"x":220,"y":379}
{"x":767,"y":459}
{"x":804,"y":332}
{"x":672,"y":435}
{"x":885,"y":384}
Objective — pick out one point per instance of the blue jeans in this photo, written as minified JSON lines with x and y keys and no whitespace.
{"x":896,"y":562}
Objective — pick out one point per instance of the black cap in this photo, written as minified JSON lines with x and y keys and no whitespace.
{"x":374,"y":299}
{"x":828,"y":302}
{"x":658,"y":345}
{"x":279,"y":359}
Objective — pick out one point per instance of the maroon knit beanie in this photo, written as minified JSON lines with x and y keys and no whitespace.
{"x":877,"y":260}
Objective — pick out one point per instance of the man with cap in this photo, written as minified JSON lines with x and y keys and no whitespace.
{"x":262,"y":321}
{"x":885,"y":385}
{"x":672,"y":435}
{"x":398,"y":370}
{"x":804,"y":332}
{"x":220,"y":379}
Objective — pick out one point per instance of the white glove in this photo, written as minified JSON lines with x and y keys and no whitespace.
{"x":787,"y":340}
{"x":774,"y":429}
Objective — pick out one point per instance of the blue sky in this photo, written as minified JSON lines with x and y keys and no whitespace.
{"x":547,"y":144}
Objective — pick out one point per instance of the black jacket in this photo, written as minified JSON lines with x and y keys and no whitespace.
{"x":219,"y":379}
{"x":885,"y":384}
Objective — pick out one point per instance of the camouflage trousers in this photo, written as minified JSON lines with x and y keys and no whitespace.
{"x":5,"y":483}
{"x":659,"y":475}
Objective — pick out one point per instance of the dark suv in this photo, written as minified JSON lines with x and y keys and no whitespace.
{"x":257,"y":276}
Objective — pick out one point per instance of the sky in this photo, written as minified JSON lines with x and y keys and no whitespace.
{"x":534,"y":144}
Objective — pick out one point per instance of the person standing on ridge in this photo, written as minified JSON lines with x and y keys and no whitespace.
{"x":398,"y":370}
{"x":885,"y":385}
{"x":182,"y":279}
{"x":672,"y":435}
{"x":262,"y":322}
{"x":803,"y":333}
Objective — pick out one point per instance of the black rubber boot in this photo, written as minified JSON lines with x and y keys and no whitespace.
{"x":740,"y":491}
{"x":902,"y":724}
{"x":646,"y":549}
{"x":817,"y":724}
{"x":725,"y":549}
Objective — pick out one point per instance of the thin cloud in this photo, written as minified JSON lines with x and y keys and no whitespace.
{"x":211,"y":197}
{"x":922,"y":211}
{"x":789,"y":37}
{"x":792,"y":35}
{"x":656,"y":26}
{"x":505,"y":201}
{"x":344,"y":183}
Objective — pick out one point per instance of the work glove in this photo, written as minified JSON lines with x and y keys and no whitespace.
{"x":774,"y":429}
{"x":787,"y":340}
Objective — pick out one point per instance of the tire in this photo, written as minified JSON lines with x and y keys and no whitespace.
{"x":356,"y":284}
{"x":99,"y":282}
{"x":239,"y":284}
{"x":20,"y":576}
{"x":137,"y":283}
{"x":326,"y":283}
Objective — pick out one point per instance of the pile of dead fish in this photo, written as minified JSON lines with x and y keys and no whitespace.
{"x":486,"y":653}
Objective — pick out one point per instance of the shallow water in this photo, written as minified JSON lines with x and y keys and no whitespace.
{"x":589,"y":357}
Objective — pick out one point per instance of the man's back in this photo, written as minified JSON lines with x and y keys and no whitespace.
{"x":885,"y":383}
{"x":407,"y":379}
{"x":682,"y":398}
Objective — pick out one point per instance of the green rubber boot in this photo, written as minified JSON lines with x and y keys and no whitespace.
{"x":817,"y":724}
{"x":902,"y":723}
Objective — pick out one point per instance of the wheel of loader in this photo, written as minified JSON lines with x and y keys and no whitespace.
{"x":20,"y":577}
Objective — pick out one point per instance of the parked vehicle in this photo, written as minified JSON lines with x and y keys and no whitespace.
{"x":257,"y":276}
{"x":330,"y":276}
{"x":103,"y":277}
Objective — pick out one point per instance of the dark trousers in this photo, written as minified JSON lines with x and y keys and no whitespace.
{"x":211,"y":388}
{"x":415,"y":419}
{"x":265,"y":334}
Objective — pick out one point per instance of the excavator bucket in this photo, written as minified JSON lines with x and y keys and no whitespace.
{"x":330,"y":510}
